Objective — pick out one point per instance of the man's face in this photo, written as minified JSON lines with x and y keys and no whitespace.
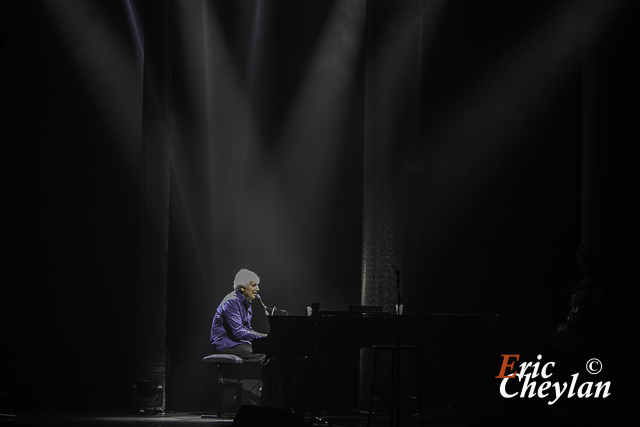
{"x":250,"y":291}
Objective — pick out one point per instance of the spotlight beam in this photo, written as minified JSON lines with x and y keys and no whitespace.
{"x":102,"y":58}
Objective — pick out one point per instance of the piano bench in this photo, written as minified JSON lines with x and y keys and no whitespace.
{"x":218,"y":361}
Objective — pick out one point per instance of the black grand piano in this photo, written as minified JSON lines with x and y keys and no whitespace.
{"x":337,"y":337}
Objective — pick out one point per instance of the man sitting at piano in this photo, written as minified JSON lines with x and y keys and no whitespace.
{"x":231,"y":332}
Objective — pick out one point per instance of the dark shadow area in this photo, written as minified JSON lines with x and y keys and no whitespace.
{"x":70,"y":220}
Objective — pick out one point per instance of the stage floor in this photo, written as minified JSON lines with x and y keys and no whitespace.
{"x":617,"y":418}
{"x":195,"y":420}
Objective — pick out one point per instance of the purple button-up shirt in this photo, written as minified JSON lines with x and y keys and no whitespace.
{"x":232,"y":323}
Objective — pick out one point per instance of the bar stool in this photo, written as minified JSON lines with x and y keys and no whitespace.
{"x":396,"y":397}
{"x":219,"y":361}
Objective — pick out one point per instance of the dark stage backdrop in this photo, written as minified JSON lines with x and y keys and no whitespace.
{"x":71,"y":96}
{"x":480,"y":202}
{"x":325,"y":145}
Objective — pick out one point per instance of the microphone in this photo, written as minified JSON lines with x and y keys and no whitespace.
{"x":273,"y":310}
{"x":266,"y":311}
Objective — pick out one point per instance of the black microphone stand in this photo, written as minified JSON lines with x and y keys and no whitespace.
{"x":399,"y":299}
{"x":273,"y":309}
{"x":398,"y":389}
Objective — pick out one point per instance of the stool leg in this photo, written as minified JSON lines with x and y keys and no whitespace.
{"x":393,"y":398}
{"x":373,"y":384}
{"x":418,"y":386}
{"x":219,"y":392}
{"x":239,"y":387}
